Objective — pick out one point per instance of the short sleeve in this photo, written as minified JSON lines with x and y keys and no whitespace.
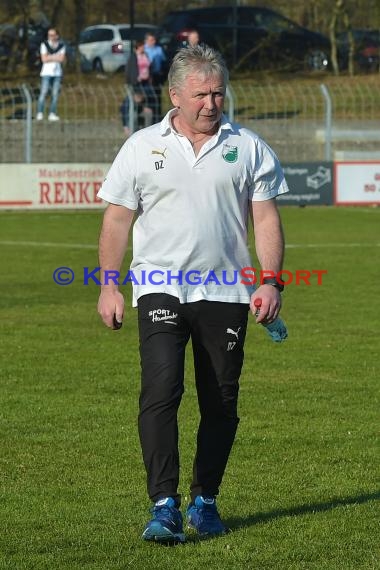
{"x":119,"y":186}
{"x":268,"y":180}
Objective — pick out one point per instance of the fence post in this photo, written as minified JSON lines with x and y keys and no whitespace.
{"x":131,"y":110}
{"x":328,"y":120}
{"x":28,"y":124}
{"x":231,"y":102}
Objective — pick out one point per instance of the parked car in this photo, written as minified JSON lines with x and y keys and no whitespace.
{"x":366,"y":49}
{"x":106,"y":47}
{"x":8,"y":36}
{"x":22,"y":42}
{"x":248,"y":37}
{"x":35,"y":35}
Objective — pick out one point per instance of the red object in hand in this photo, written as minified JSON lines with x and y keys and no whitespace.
{"x":257,"y":304}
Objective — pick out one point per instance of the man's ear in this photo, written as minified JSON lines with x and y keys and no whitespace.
{"x":173,"y":97}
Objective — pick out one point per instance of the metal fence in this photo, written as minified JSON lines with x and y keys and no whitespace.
{"x":301,"y":121}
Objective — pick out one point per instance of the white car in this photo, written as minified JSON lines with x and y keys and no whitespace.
{"x":106,"y":47}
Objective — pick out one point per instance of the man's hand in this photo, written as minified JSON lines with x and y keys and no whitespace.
{"x":111,"y":308}
{"x":270,"y":304}
{"x":112,"y":245}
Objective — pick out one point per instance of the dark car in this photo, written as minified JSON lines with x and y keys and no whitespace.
{"x":17,"y":41}
{"x":248,"y":37}
{"x":35,"y":35}
{"x":8,"y":38}
{"x":366,"y":49}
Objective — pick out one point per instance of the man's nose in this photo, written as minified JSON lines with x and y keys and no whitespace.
{"x":210,"y":101}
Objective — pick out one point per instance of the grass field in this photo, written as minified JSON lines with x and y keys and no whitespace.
{"x":302,"y":486}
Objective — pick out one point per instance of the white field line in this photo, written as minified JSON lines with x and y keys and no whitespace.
{"x":332,"y":245}
{"x":94,"y":246}
{"x":49,"y":244}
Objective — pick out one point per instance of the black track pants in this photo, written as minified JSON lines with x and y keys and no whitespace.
{"x":218,"y":332}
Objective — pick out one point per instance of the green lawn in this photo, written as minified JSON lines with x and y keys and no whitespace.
{"x":302,"y":486}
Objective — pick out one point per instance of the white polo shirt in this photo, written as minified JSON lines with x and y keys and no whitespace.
{"x":192,"y":211}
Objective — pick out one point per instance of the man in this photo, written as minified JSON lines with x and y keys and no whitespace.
{"x":139,"y":81}
{"x":157,"y":60}
{"x":193,"y":38}
{"x":192,"y":181}
{"x":53,"y":54}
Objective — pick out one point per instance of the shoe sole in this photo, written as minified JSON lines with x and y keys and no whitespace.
{"x":167,"y":539}
{"x":164,"y":537}
{"x":178,"y":539}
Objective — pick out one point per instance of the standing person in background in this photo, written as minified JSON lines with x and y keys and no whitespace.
{"x":139,"y":80}
{"x":193,"y":38}
{"x":53,"y":55}
{"x":157,"y":60}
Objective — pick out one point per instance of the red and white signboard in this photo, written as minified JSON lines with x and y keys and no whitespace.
{"x":73,"y":186}
{"x":357,"y":183}
{"x":51,"y":186}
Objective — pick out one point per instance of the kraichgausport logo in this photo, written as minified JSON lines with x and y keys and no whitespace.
{"x":230,"y":153}
{"x":246,"y":276}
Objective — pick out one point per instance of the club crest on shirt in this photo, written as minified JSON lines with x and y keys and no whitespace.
{"x":230,"y":153}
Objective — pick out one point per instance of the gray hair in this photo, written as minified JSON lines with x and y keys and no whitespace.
{"x":201,"y":59}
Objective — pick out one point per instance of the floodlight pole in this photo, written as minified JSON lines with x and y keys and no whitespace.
{"x":28,"y":124}
{"x":234,"y":32}
{"x":131,"y":20}
{"x":328,"y":120}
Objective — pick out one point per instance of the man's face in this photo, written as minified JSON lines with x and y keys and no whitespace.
{"x":193,"y":38}
{"x":150,"y":40}
{"x":200,"y":101}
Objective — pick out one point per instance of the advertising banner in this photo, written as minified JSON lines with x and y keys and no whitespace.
{"x":357,"y":183}
{"x":73,"y":186}
{"x":51,"y":186}
{"x":310,"y":183}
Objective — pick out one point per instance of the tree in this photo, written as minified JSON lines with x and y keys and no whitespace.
{"x":340,"y":11}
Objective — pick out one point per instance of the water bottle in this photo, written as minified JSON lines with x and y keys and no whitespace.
{"x":276,"y":330}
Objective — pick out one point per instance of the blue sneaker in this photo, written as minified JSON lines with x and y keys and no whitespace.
{"x":203,"y":516}
{"x":166,"y":523}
